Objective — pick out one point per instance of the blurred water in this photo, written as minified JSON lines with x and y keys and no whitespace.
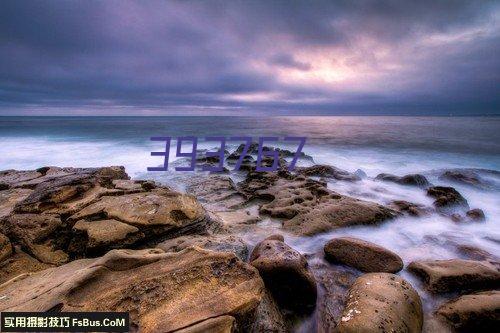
{"x":398,"y":145}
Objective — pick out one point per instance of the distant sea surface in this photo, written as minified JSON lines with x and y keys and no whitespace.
{"x":373,"y":144}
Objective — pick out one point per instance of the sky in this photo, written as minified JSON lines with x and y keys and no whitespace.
{"x":119,"y":57}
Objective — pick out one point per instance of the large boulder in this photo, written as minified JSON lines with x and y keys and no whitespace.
{"x":412,"y":180}
{"x":158,"y":212}
{"x":362,"y":255}
{"x":447,"y":199}
{"x":286,"y":274}
{"x":162,"y":292}
{"x":456,"y":274}
{"x":382,"y":302}
{"x":478,"y":312}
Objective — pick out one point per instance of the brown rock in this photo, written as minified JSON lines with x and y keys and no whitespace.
{"x":15,"y":179}
{"x":327,"y":171}
{"x":9,"y":199}
{"x":469,"y":177}
{"x":160,"y":211}
{"x":221,"y":324}
{"x":362,"y":255}
{"x":409,"y":208}
{"x":92,"y":237}
{"x":333,"y":287}
{"x":72,"y":184}
{"x":412,"y":180}
{"x":331,"y":212}
{"x":473,"y":313}
{"x":447,"y":198}
{"x":239,"y":216}
{"x":382,"y":302}
{"x":41,"y":235}
{"x":268,"y":317}
{"x":218,"y":193}
{"x":476,"y":214}
{"x":286,"y":274}
{"x":19,"y":264}
{"x":162,"y":292}
{"x":5,"y":247}
{"x":309,"y":206}
{"x":456,"y":274}
{"x":218,"y":242}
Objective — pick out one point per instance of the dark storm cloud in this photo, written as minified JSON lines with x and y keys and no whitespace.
{"x":267,"y":56}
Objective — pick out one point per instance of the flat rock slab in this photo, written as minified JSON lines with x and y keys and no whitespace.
{"x":103,"y":234}
{"x":217,"y":242}
{"x":71,"y":184}
{"x":162,"y":292}
{"x":456,"y":274}
{"x":216,"y":192}
{"x":10,"y":198}
{"x":362,"y":255}
{"x":160,"y":207}
{"x":308,"y":206}
{"x":478,"y":312}
{"x":381,"y":302}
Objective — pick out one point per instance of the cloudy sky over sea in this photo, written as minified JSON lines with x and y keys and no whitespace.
{"x":249,"y":57}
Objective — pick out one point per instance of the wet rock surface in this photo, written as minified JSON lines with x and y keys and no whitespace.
{"x":286,"y":274}
{"x":382,"y":302}
{"x":308,"y":206}
{"x":92,"y":239}
{"x":410,"y":180}
{"x":447,"y":198}
{"x":476,"y":215}
{"x":478,"y":312}
{"x":149,"y":284}
{"x":442,"y":276}
{"x":410,"y":208}
{"x":362,"y":255}
{"x":327,"y":171}
{"x":333,"y":286}
{"x":477,"y":178}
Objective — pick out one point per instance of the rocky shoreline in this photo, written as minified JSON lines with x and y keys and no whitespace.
{"x":92,"y":239}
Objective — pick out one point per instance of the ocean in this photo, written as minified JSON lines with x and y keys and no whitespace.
{"x":397,"y":145}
